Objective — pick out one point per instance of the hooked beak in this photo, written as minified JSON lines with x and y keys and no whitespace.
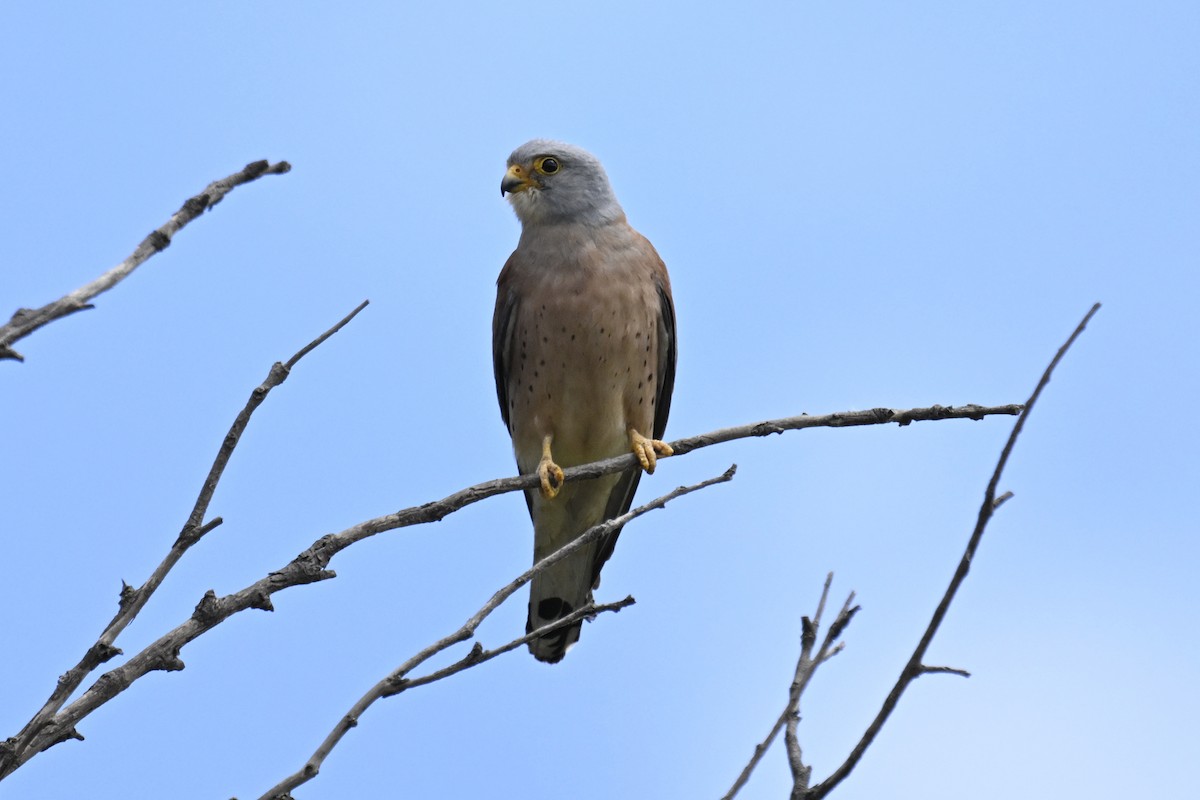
{"x":517,"y":179}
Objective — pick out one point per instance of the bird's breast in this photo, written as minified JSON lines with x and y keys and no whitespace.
{"x":585,"y":351}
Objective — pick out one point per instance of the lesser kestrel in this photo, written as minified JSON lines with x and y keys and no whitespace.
{"x":584,"y":354}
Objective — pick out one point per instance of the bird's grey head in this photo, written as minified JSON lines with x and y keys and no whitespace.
{"x":550,"y":182}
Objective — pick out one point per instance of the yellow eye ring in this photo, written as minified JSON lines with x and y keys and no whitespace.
{"x":547,"y":165}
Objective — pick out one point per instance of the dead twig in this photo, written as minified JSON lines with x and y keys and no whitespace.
{"x":13,"y":751}
{"x":914,"y":668}
{"x":397,"y":681}
{"x":55,"y":723}
{"x":27,"y":320}
{"x":311,"y":565}
{"x":806,"y":666}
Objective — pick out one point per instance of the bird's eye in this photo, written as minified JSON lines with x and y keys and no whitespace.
{"x":547,"y":165}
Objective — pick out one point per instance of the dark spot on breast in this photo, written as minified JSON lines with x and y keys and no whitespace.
{"x":602,"y":330}
{"x":639,"y":384}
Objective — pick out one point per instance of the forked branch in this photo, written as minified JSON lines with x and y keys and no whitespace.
{"x":398,"y":681}
{"x":311,"y":565}
{"x":806,"y":666}
{"x":55,"y":723}
{"x":15,"y":751}
{"x":915,"y":667}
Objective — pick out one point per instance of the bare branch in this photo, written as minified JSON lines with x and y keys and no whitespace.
{"x":806,"y":666}
{"x":478,"y":655}
{"x":133,"y":600}
{"x":914,"y":668}
{"x":311,"y":565}
{"x":27,"y":320}
{"x":397,"y":681}
{"x":433,"y":512}
{"x":845,"y":419}
{"x":48,"y":726}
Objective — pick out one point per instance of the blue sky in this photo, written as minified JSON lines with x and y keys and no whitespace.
{"x":861,"y":205}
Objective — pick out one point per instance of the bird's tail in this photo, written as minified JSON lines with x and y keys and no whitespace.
{"x":555,"y":593}
{"x":567,"y":585}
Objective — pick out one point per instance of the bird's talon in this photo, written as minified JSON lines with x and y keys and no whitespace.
{"x":648,"y":450}
{"x":551,"y":474}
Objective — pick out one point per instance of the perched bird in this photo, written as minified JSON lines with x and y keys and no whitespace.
{"x":583,"y":345}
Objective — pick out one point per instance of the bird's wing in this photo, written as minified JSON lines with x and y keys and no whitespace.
{"x":621,"y":498}
{"x":667,"y":352}
{"x":504,"y":322}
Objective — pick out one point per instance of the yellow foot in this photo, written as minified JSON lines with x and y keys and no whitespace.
{"x":648,"y":450}
{"x":550,"y":473}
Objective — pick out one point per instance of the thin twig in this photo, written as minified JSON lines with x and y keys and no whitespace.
{"x":397,"y":681}
{"x":311,"y":565}
{"x":133,"y":600}
{"x":914,"y":666}
{"x":27,"y":320}
{"x":478,"y":655}
{"x":806,"y":666}
{"x":925,"y":670}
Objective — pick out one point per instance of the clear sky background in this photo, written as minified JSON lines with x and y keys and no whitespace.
{"x":861,"y":204}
